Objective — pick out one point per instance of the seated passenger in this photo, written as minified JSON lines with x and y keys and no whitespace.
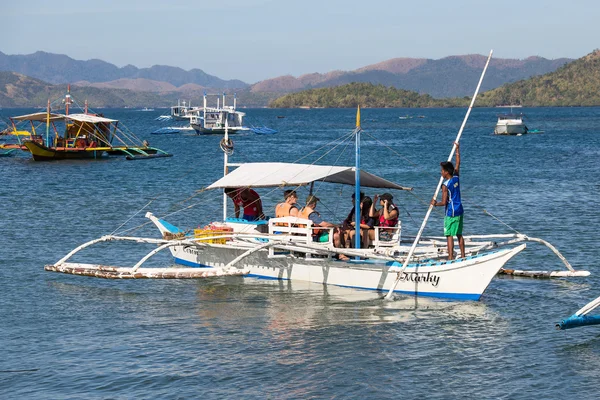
{"x":319,"y":235}
{"x":249,"y":200}
{"x":346,"y":224}
{"x":386,"y":217}
{"x":288,"y":207}
{"x":366,"y":224}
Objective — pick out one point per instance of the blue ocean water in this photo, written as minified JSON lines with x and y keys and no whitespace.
{"x":72,"y":337}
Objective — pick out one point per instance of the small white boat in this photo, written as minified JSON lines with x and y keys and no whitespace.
{"x":183,"y":111}
{"x":510,"y":124}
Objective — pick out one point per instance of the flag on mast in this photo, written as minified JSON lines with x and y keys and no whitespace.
{"x":358,"y":117}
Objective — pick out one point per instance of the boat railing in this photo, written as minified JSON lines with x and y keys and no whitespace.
{"x":394,"y":233}
{"x":296,"y":230}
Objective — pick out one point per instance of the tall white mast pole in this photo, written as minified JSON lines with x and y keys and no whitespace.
{"x":439,"y":185}
{"x":225,"y":168}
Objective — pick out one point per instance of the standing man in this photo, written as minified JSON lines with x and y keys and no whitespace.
{"x":453,"y":220}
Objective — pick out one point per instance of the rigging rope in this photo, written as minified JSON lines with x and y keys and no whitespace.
{"x":227,"y":146}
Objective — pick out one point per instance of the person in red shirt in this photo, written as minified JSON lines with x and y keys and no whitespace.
{"x":249,"y":200}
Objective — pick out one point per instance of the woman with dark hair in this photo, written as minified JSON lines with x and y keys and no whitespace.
{"x":386,"y":217}
{"x":366,"y":224}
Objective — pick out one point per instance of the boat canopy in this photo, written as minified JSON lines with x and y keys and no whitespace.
{"x":286,"y":174}
{"x":43,"y":117}
{"x":40,"y":116}
{"x":93,"y":119}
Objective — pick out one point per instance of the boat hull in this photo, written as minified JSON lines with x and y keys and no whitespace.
{"x":217,"y":131}
{"x":464,"y":279}
{"x":510,"y":129}
{"x":43,"y":153}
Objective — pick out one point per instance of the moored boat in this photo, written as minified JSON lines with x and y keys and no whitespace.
{"x":213,"y":120}
{"x":510,"y":124}
{"x":85,"y":135}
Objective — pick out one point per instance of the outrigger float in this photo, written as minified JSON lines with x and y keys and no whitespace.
{"x":283,"y":248}
{"x":581,"y":317}
{"x":65,"y":136}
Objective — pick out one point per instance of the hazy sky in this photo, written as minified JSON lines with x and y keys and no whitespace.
{"x":254,"y":40}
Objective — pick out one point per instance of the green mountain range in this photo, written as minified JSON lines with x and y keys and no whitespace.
{"x":446,"y":77}
{"x":575,"y":84}
{"x":17,"y":90}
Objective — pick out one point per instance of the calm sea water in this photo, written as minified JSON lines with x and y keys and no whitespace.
{"x":75,"y":337}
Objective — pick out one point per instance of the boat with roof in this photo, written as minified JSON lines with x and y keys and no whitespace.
{"x":53,"y":135}
{"x":212,"y":119}
{"x":510,"y":124}
{"x":284,"y":247}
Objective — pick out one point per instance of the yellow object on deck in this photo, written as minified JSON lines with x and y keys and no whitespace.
{"x":211,"y":232}
{"x":20,"y":133}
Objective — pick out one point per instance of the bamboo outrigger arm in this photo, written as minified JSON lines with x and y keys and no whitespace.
{"x":108,"y":238}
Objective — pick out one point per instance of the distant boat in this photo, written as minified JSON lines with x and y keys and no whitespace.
{"x":184,"y":111}
{"x":216,"y":119}
{"x":61,"y":136}
{"x":510,"y":124}
{"x":405,"y":117}
{"x":146,"y":109}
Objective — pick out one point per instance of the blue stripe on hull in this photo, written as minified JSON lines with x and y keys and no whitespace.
{"x":454,"y":296}
{"x":190,"y":264}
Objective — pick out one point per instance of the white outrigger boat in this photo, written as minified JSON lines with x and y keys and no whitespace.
{"x":214,"y":119}
{"x":283,"y":248}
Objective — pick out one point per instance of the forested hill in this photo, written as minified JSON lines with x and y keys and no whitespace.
{"x":575,"y":84}
{"x":363,"y":94}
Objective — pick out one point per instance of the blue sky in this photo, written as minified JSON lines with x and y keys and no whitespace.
{"x":254,"y":40}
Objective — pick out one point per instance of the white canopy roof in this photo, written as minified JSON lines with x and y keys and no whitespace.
{"x":90,"y":118}
{"x":40,"y":116}
{"x":285,"y":174}
{"x":43,"y":117}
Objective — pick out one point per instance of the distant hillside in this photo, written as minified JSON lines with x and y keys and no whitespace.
{"x":447,"y":77}
{"x":18,"y":90}
{"x":363,"y":94}
{"x":575,"y":84}
{"x":58,"y":68}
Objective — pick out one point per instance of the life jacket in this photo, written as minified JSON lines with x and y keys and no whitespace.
{"x":283,"y":210}
{"x":389,"y":223}
{"x":305,"y":213}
